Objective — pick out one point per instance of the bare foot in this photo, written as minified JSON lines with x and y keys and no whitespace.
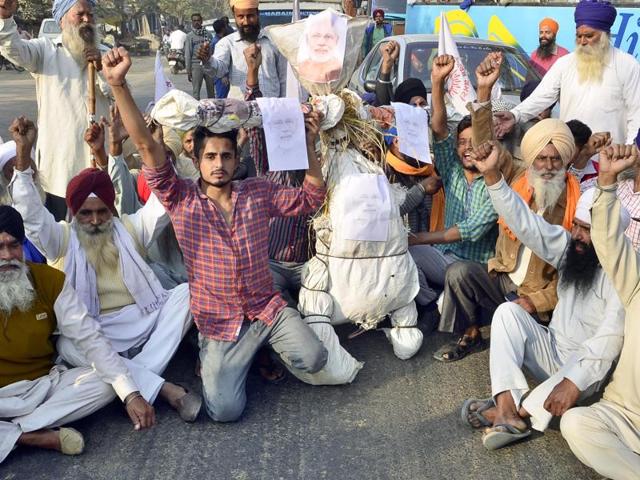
{"x":489,"y":414}
{"x":49,"y":439}
{"x":512,"y":419}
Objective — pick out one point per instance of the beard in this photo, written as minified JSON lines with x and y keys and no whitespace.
{"x":98,"y":245}
{"x":16,"y":290}
{"x":591,"y":60}
{"x":5,"y":198}
{"x":249,"y":33}
{"x":72,"y":39}
{"x":545,"y":50}
{"x":546,"y":191}
{"x":580,"y":269}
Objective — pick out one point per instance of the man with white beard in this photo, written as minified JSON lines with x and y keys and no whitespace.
{"x":103,"y":258}
{"x":60,"y":71}
{"x":597,"y":84}
{"x":515,"y":273}
{"x":573,"y":354}
{"x":37,"y":395}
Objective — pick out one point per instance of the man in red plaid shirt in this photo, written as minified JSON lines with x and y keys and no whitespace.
{"x":223,"y":230}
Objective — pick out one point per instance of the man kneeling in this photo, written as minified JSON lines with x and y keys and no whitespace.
{"x":573,"y":355}
{"x":35,"y":394}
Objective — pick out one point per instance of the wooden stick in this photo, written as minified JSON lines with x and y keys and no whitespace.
{"x":92,"y":90}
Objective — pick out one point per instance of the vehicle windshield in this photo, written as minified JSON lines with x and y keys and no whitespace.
{"x":515,"y":70}
{"x":51,"y":27}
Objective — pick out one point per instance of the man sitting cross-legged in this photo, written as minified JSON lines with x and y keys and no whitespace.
{"x":222,"y":227}
{"x":102,"y":256}
{"x":573,"y":355}
{"x":35,"y":394}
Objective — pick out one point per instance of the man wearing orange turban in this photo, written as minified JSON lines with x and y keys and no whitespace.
{"x":548,"y":51}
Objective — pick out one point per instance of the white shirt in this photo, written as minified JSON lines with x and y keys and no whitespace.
{"x":75,"y":323}
{"x":612,"y":106}
{"x":61,"y":93}
{"x":177,"y":39}
{"x":228,"y":59}
{"x":588,"y":327}
{"x":631,"y":201}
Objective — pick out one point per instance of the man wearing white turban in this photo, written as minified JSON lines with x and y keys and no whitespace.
{"x":60,"y":70}
{"x":573,"y":354}
{"x":515,"y":272}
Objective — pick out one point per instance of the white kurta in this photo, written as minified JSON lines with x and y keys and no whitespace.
{"x":158,"y":333}
{"x":61,"y":92}
{"x":612,"y":106}
{"x":63,"y":395}
{"x":586,"y":330}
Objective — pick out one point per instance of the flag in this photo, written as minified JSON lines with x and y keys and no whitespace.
{"x":163,"y":84}
{"x":459,"y":88}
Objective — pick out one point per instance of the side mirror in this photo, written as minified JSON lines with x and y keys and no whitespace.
{"x":370,"y":86}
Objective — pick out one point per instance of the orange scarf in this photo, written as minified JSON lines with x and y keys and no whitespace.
{"x":522,"y":188}
{"x":436,"y":220}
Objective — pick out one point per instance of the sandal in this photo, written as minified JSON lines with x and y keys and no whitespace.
{"x":502,"y":435}
{"x":466,"y":412}
{"x":460,"y":349}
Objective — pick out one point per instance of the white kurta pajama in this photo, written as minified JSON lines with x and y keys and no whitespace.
{"x":61,"y":92}
{"x":153,"y":335}
{"x":583,"y":338}
{"x":612,"y":106}
{"x":606,"y":435}
{"x":65,"y":395}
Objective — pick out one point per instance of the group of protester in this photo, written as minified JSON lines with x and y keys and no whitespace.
{"x":506,"y":227}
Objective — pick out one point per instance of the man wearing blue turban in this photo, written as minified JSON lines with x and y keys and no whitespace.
{"x":597,"y":84}
{"x":60,"y":70}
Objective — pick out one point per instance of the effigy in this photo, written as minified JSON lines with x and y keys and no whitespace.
{"x":348,"y":280}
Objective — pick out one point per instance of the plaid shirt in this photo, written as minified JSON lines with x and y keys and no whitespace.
{"x":228,"y":266}
{"x":467,"y":205}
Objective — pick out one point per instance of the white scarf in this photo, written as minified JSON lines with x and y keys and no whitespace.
{"x":142,"y":283}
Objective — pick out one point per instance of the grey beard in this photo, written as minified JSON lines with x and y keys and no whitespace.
{"x":546,"y":192}
{"x":16,"y":290}
{"x":98,"y":244}
{"x":591,"y":60}
{"x":73,"y":41}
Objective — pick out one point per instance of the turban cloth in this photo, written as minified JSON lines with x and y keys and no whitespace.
{"x":244,"y":4}
{"x":7,"y":152}
{"x":551,"y":24}
{"x":88,"y":181}
{"x":583,"y":209}
{"x":638,"y":140}
{"x":411,"y":87}
{"x":595,"y":14}
{"x":545,"y":132}
{"x":378,"y":11}
{"x":11,"y":222}
{"x":60,"y":7}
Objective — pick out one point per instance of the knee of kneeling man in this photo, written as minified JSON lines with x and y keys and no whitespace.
{"x":315,"y":358}
{"x":506,"y":313}
{"x":226,"y":411}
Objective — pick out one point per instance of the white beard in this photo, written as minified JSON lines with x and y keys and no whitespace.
{"x":73,"y":41}
{"x":16,"y":290}
{"x":546,"y":192}
{"x":592,"y":59}
{"x":98,"y":244}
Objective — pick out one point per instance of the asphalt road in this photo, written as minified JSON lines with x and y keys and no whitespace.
{"x":399,"y":419}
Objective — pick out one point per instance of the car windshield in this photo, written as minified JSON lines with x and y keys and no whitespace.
{"x":515,"y":70}
{"x":51,"y":27}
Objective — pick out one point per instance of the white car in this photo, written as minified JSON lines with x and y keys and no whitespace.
{"x":50,"y":29}
{"x":418,"y":51}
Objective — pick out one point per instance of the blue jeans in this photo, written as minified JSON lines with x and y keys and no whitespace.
{"x":225,"y":365}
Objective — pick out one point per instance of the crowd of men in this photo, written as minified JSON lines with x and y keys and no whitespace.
{"x":507,"y":227}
